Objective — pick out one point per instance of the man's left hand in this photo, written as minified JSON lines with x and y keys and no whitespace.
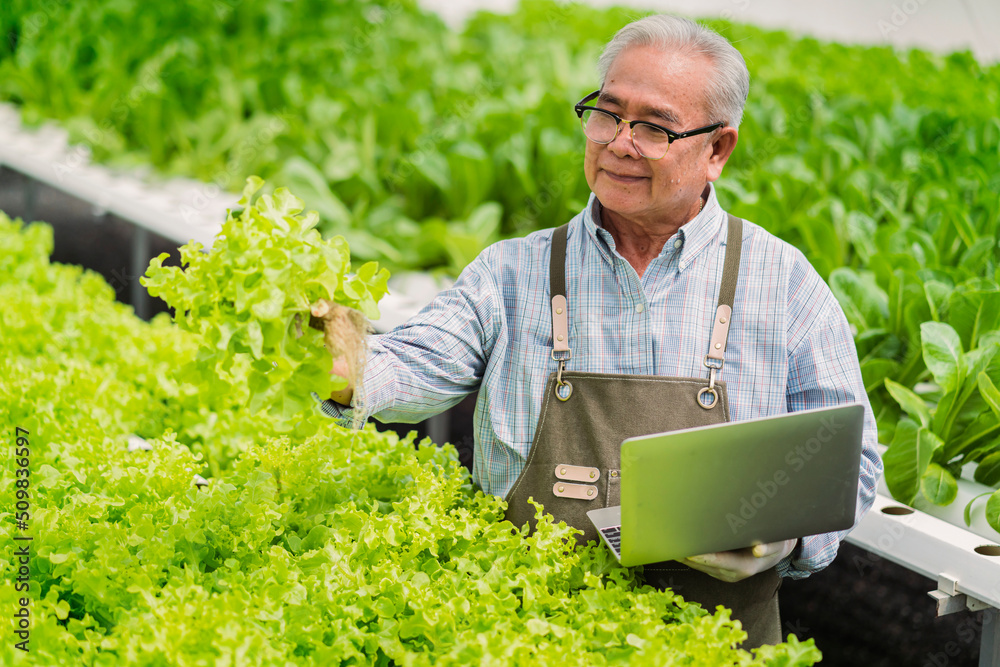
{"x":740,"y":564}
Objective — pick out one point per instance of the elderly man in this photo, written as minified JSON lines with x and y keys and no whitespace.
{"x":561,"y":331}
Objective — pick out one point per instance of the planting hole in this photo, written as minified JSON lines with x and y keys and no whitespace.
{"x":988,"y":550}
{"x":897,"y":510}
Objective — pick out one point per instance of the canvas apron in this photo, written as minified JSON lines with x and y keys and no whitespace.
{"x":573,"y":466}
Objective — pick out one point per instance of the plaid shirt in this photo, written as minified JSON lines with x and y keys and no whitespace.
{"x":790,"y":347}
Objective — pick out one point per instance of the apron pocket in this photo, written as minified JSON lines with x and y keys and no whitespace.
{"x":612,"y":494}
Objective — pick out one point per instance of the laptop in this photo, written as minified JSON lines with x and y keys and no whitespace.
{"x":733,"y":485}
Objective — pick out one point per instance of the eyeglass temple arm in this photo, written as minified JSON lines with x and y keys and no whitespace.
{"x":700,"y":130}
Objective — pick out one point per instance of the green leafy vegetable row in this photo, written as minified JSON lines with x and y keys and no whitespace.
{"x":310,"y":546}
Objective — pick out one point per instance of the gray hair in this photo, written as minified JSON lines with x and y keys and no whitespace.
{"x":725,"y":94}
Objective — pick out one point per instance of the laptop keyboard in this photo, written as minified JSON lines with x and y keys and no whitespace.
{"x":613,"y":534}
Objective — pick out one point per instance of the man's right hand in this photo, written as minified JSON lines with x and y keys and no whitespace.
{"x":343,"y":369}
{"x":344,"y":332}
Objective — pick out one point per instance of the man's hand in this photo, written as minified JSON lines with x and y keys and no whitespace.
{"x":740,"y":564}
{"x":343,"y":369}
{"x":344,"y":332}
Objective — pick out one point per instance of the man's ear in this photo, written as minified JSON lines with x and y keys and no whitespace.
{"x":723,"y":143}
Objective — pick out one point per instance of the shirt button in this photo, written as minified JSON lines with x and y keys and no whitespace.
{"x":678,"y":243}
{"x":639,"y":308}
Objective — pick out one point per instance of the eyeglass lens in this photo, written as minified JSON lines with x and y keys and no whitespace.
{"x":601,"y":127}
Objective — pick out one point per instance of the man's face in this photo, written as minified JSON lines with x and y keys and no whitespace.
{"x":666,"y":89}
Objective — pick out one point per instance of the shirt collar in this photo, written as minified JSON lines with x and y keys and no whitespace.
{"x":600,"y":236}
{"x":700,"y":232}
{"x":695,"y":235}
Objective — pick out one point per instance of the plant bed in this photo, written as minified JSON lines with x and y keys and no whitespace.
{"x":171,"y":524}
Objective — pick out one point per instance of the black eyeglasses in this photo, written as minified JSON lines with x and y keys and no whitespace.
{"x":650,"y":140}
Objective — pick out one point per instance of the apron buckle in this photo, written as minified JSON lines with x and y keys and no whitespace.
{"x":708,"y":397}
{"x":563,"y":389}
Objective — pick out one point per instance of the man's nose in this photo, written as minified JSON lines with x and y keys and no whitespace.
{"x":622,"y":144}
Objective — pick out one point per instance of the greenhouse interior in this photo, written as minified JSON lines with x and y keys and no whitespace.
{"x":302,"y":302}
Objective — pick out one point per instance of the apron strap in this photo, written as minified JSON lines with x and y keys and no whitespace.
{"x":727,"y":294}
{"x":560,"y":312}
{"x":557,"y":292}
{"x":708,"y":397}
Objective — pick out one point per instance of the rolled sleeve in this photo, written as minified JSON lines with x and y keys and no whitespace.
{"x":431,"y":362}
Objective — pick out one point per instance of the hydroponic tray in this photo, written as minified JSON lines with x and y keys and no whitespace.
{"x":178,"y":209}
{"x":964,"y":561}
